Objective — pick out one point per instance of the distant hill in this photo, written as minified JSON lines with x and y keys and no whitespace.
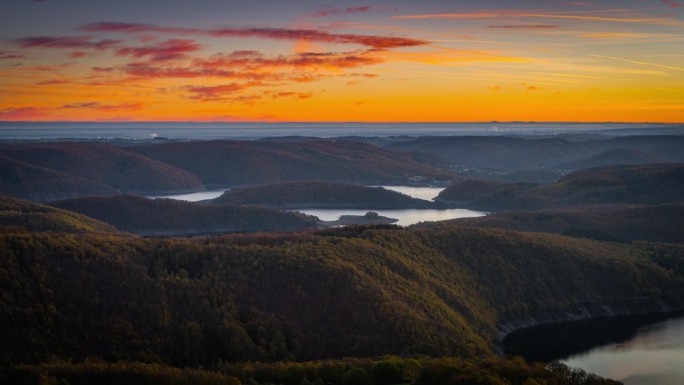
{"x":497,"y":157}
{"x":614,"y":157}
{"x":235,"y":163}
{"x":645,"y":184}
{"x":661,"y":223}
{"x":27,"y":181}
{"x":106,"y":164}
{"x":173,"y":217}
{"x":320,"y":194}
{"x":22,"y":216}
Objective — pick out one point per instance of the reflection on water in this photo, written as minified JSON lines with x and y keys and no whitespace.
{"x":635,"y":350}
{"x":425,"y":193}
{"x":406,"y":217}
{"x":193,"y":197}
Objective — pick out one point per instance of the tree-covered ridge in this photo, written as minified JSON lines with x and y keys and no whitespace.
{"x":105,"y":164}
{"x":645,"y":184}
{"x":385,"y":370}
{"x":321,"y":194}
{"x":21,"y":216}
{"x":27,"y":181}
{"x":242,"y":163}
{"x":660,"y":223}
{"x":510,"y":153}
{"x":146,"y":216}
{"x":359,"y":291}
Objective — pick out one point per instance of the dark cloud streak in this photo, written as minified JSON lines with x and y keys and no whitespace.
{"x":373,"y":41}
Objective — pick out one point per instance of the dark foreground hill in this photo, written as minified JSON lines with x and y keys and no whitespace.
{"x":662,"y":223}
{"x":645,"y":184}
{"x":105,"y":164}
{"x":233,"y":163}
{"x":320,"y":194}
{"x":448,"y":290}
{"x":146,"y":216}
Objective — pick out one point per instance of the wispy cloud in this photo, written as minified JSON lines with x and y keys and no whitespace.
{"x":171,"y":49}
{"x":314,"y":35}
{"x":333,"y":11}
{"x":7,"y":55}
{"x":535,"y":26}
{"x":522,"y":14}
{"x":37,"y":113}
{"x":641,"y":62}
{"x":671,"y":3}
{"x":69,"y":42}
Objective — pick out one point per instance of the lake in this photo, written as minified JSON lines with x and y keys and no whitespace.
{"x":634,"y":350}
{"x":406,"y":217}
{"x":194,"y":197}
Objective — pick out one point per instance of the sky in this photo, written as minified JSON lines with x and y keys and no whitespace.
{"x":342,"y":61}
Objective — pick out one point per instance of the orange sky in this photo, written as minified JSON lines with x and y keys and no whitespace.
{"x":307,"y":61}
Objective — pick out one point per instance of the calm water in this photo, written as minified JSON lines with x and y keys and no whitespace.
{"x":635,"y":350}
{"x":425,"y":193}
{"x":194,"y":197}
{"x":406,"y":217}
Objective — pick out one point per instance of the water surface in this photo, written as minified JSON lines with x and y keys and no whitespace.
{"x":194,"y":197}
{"x":406,"y":217}
{"x":646,"y":350}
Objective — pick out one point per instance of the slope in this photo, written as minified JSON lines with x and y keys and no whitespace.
{"x":172,"y":217}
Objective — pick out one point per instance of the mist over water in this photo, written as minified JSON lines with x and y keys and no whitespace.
{"x":251,"y":131}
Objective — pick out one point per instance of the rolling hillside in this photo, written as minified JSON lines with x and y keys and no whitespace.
{"x":172,"y":217}
{"x":645,"y":184}
{"x":233,"y":163}
{"x":26,"y":181}
{"x":449,"y":290}
{"x":22,"y":216}
{"x":105,"y":164}
{"x":662,"y":223}
{"x":318,"y":194}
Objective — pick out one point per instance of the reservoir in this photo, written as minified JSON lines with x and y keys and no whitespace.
{"x":406,"y":217}
{"x":635,"y":350}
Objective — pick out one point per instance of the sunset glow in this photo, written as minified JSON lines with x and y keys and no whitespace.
{"x":310,"y":61}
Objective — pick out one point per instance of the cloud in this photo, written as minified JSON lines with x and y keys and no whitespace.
{"x":671,"y":3}
{"x":7,"y":55}
{"x":214,"y":93}
{"x":291,"y":94}
{"x":537,"y":26}
{"x":171,"y":49}
{"x":70,"y":42}
{"x":332,"y":11}
{"x":518,"y":14}
{"x":23,"y":113}
{"x":640,"y":62}
{"x":102,"y":107}
{"x":373,"y":41}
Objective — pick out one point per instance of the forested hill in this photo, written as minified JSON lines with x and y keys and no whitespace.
{"x":645,"y":184}
{"x":59,"y":170}
{"x":146,"y":216}
{"x":354,"y":291}
{"x":104,"y":164}
{"x":661,"y":223}
{"x":231,"y":163}
{"x":18,"y":216}
{"x":320,"y":194}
